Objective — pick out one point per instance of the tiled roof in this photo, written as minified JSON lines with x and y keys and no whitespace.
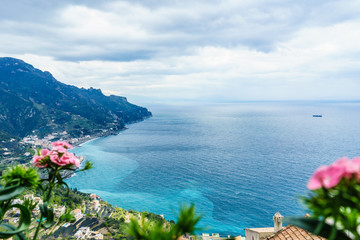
{"x":76,"y":210}
{"x":292,"y":232}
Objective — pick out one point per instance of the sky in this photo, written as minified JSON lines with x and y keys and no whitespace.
{"x":191,"y":50}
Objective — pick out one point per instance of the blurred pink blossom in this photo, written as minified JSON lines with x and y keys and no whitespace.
{"x":38,"y":161}
{"x":58,"y":156}
{"x":62,"y":144}
{"x":330,"y":176}
{"x":45,"y":152}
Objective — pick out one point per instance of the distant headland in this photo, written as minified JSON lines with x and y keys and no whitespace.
{"x":35,"y":106}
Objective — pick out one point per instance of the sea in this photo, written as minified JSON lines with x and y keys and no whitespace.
{"x":239,"y":163}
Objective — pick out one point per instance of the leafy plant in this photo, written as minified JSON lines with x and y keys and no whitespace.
{"x":67,"y":217}
{"x":186,"y":223}
{"x":30,"y":204}
{"x":15,"y":180}
{"x":334,"y":201}
{"x":24,"y":176}
{"x":55,"y":161}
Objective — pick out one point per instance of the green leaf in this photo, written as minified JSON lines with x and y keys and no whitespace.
{"x":11,"y":192}
{"x":88,"y":165}
{"x":50,"y":218}
{"x":25,"y":217}
{"x":24,"y":223}
{"x":47,"y":213}
{"x":61,"y":182}
{"x":27,"y":176}
{"x":9,"y":227}
{"x":43,"y":209}
{"x":67,"y":188}
{"x":186,"y":224}
{"x":187,"y":220}
{"x":317,"y":227}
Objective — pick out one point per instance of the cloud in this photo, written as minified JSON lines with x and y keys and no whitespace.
{"x":170,"y":50}
{"x":127,"y":31}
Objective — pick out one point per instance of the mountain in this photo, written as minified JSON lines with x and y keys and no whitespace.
{"x":33,"y":101}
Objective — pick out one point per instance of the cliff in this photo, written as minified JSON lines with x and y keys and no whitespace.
{"x":33,"y":101}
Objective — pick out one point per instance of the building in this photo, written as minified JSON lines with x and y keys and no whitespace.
{"x":262,"y":233}
{"x":292,"y":232}
{"x":83,"y":233}
{"x":95,"y":205}
{"x":214,"y":236}
{"x":278,"y":232}
{"x":38,"y":200}
{"x":93,"y":196}
{"x":59,"y":210}
{"x":96,"y":235}
{"x":77,"y":214}
{"x":17,"y":201}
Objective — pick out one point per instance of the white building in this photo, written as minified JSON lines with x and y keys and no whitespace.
{"x":77,"y":214}
{"x":96,"y":236}
{"x":95,"y":205}
{"x":262,"y":233}
{"x":213,"y":236}
{"x":17,"y":201}
{"x":59,"y":210}
{"x":83,"y":233}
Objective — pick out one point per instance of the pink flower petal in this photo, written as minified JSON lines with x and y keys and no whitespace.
{"x":45,"y":152}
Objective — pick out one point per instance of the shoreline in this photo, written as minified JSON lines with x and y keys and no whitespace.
{"x":107,"y":132}
{"x":81,"y":141}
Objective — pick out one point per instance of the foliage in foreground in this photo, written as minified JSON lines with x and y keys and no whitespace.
{"x":15,"y":180}
{"x":334,"y":201}
{"x":185,"y":224}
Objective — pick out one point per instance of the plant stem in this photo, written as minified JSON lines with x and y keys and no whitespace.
{"x":38,"y":227}
{"x":51,"y":184}
{"x":52,"y":176}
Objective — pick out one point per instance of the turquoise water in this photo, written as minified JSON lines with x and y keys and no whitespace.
{"x":239,"y":163}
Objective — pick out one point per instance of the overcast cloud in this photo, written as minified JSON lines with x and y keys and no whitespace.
{"x":165,"y":51}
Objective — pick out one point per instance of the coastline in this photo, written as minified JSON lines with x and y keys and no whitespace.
{"x":78,"y":142}
{"x":90,"y":140}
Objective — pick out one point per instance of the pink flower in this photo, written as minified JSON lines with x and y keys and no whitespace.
{"x":356,"y":162}
{"x":326,"y":176}
{"x":62,"y":144}
{"x":333,"y":175}
{"x":65,"y":159}
{"x":70,"y":158}
{"x":54,"y":157}
{"x":315,"y":181}
{"x":38,"y":161}
{"x":350,"y":167}
{"x":45,"y":152}
{"x":57,"y":156}
{"x":60,"y":149}
{"x":330,"y":176}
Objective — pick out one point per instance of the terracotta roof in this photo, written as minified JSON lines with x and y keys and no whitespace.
{"x":76,"y":210}
{"x":292,"y":232}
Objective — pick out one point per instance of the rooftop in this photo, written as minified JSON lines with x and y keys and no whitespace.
{"x":76,"y":210}
{"x":292,"y":232}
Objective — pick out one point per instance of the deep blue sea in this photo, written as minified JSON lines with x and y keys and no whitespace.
{"x":239,"y":163}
